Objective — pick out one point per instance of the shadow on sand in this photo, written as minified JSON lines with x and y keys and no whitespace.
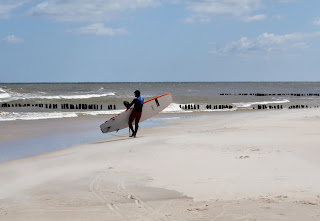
{"x":115,"y":139}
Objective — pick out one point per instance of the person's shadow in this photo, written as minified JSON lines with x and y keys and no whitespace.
{"x":115,"y":140}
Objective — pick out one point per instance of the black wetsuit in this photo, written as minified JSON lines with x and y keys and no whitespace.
{"x":137,"y":106}
{"x":136,"y":113}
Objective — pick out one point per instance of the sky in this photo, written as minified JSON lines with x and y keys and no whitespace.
{"x":159,"y":40}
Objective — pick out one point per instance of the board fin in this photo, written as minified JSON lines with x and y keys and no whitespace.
{"x":157,"y":102}
{"x":106,"y":131}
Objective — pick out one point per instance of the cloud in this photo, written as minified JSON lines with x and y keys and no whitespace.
{"x":267,"y":43}
{"x":89,"y":10}
{"x":11,"y":39}
{"x":96,"y":12}
{"x":233,"y":7}
{"x":198,"y":19}
{"x":208,"y":8}
{"x":316,"y":21}
{"x":254,"y":18}
{"x":8,"y":6}
{"x":283,"y":1}
{"x":202,"y":11}
{"x":98,"y":29}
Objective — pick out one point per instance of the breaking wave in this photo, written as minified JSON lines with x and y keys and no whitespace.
{"x":249,"y":104}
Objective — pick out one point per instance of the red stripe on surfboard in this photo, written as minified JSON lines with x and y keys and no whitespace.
{"x":144,"y":103}
{"x":157,"y":97}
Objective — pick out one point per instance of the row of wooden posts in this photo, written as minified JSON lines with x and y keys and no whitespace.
{"x":208,"y":106}
{"x":218,"y":107}
{"x":263,"y":107}
{"x":64,"y":106}
{"x":273,"y":94}
{"x":190,"y":106}
{"x":113,"y":106}
{"x":301,"y":107}
{"x":259,"y":107}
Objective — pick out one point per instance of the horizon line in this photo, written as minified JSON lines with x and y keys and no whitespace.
{"x":98,"y":82}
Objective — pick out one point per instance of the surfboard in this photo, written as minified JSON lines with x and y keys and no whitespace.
{"x":150,"y":108}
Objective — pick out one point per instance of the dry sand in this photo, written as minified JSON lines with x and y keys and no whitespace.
{"x":233,"y":166}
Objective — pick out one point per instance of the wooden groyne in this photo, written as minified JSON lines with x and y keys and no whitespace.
{"x":182,"y":106}
{"x":62,"y":106}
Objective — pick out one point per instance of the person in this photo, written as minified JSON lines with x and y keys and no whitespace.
{"x":136,"y":112}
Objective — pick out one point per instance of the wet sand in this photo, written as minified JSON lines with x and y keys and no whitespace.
{"x":233,"y":166}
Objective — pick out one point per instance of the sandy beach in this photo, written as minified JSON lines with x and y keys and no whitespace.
{"x":251,"y":165}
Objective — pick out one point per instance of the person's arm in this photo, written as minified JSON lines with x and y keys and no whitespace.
{"x":133,"y":101}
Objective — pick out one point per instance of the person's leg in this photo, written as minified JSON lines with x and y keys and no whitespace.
{"x":131,"y":119}
{"x":137,"y":119}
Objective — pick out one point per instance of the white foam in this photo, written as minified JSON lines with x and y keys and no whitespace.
{"x":94,"y":113}
{"x":20,"y":96}
{"x":86,"y":96}
{"x":4,"y":94}
{"x":174,"y":108}
{"x":10,"y":116}
{"x":249,"y":104}
{"x":220,"y":110}
{"x":70,"y":97}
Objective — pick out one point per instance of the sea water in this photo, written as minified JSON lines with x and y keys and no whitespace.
{"x":24,"y":99}
{"x":89,"y":132}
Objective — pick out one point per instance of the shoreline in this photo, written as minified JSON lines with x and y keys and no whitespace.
{"x":31,"y":137}
{"x":246,"y":166}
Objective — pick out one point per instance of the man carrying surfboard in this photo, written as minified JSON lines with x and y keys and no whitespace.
{"x":150,"y":108}
{"x":136,"y":112}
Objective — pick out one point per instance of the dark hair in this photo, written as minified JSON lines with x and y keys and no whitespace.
{"x":137,"y":93}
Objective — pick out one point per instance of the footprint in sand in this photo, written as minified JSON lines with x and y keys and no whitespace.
{"x":255,"y":150}
{"x":244,"y":157}
{"x":307,"y":203}
{"x":199,"y":209}
{"x":3,"y":212}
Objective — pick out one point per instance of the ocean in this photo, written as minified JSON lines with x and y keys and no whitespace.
{"x":26,"y":101}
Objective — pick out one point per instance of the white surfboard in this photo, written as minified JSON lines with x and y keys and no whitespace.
{"x":150,"y":108}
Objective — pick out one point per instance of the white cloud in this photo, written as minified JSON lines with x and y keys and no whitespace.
{"x":233,"y":7}
{"x":88,"y":10}
{"x":254,"y":18}
{"x":198,"y":19}
{"x":243,"y":10}
{"x":283,"y":1}
{"x":209,"y":8}
{"x":316,"y":21}
{"x":267,"y":43}
{"x":97,"y":12}
{"x":11,"y":39}
{"x":98,"y":29}
{"x":8,"y":6}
